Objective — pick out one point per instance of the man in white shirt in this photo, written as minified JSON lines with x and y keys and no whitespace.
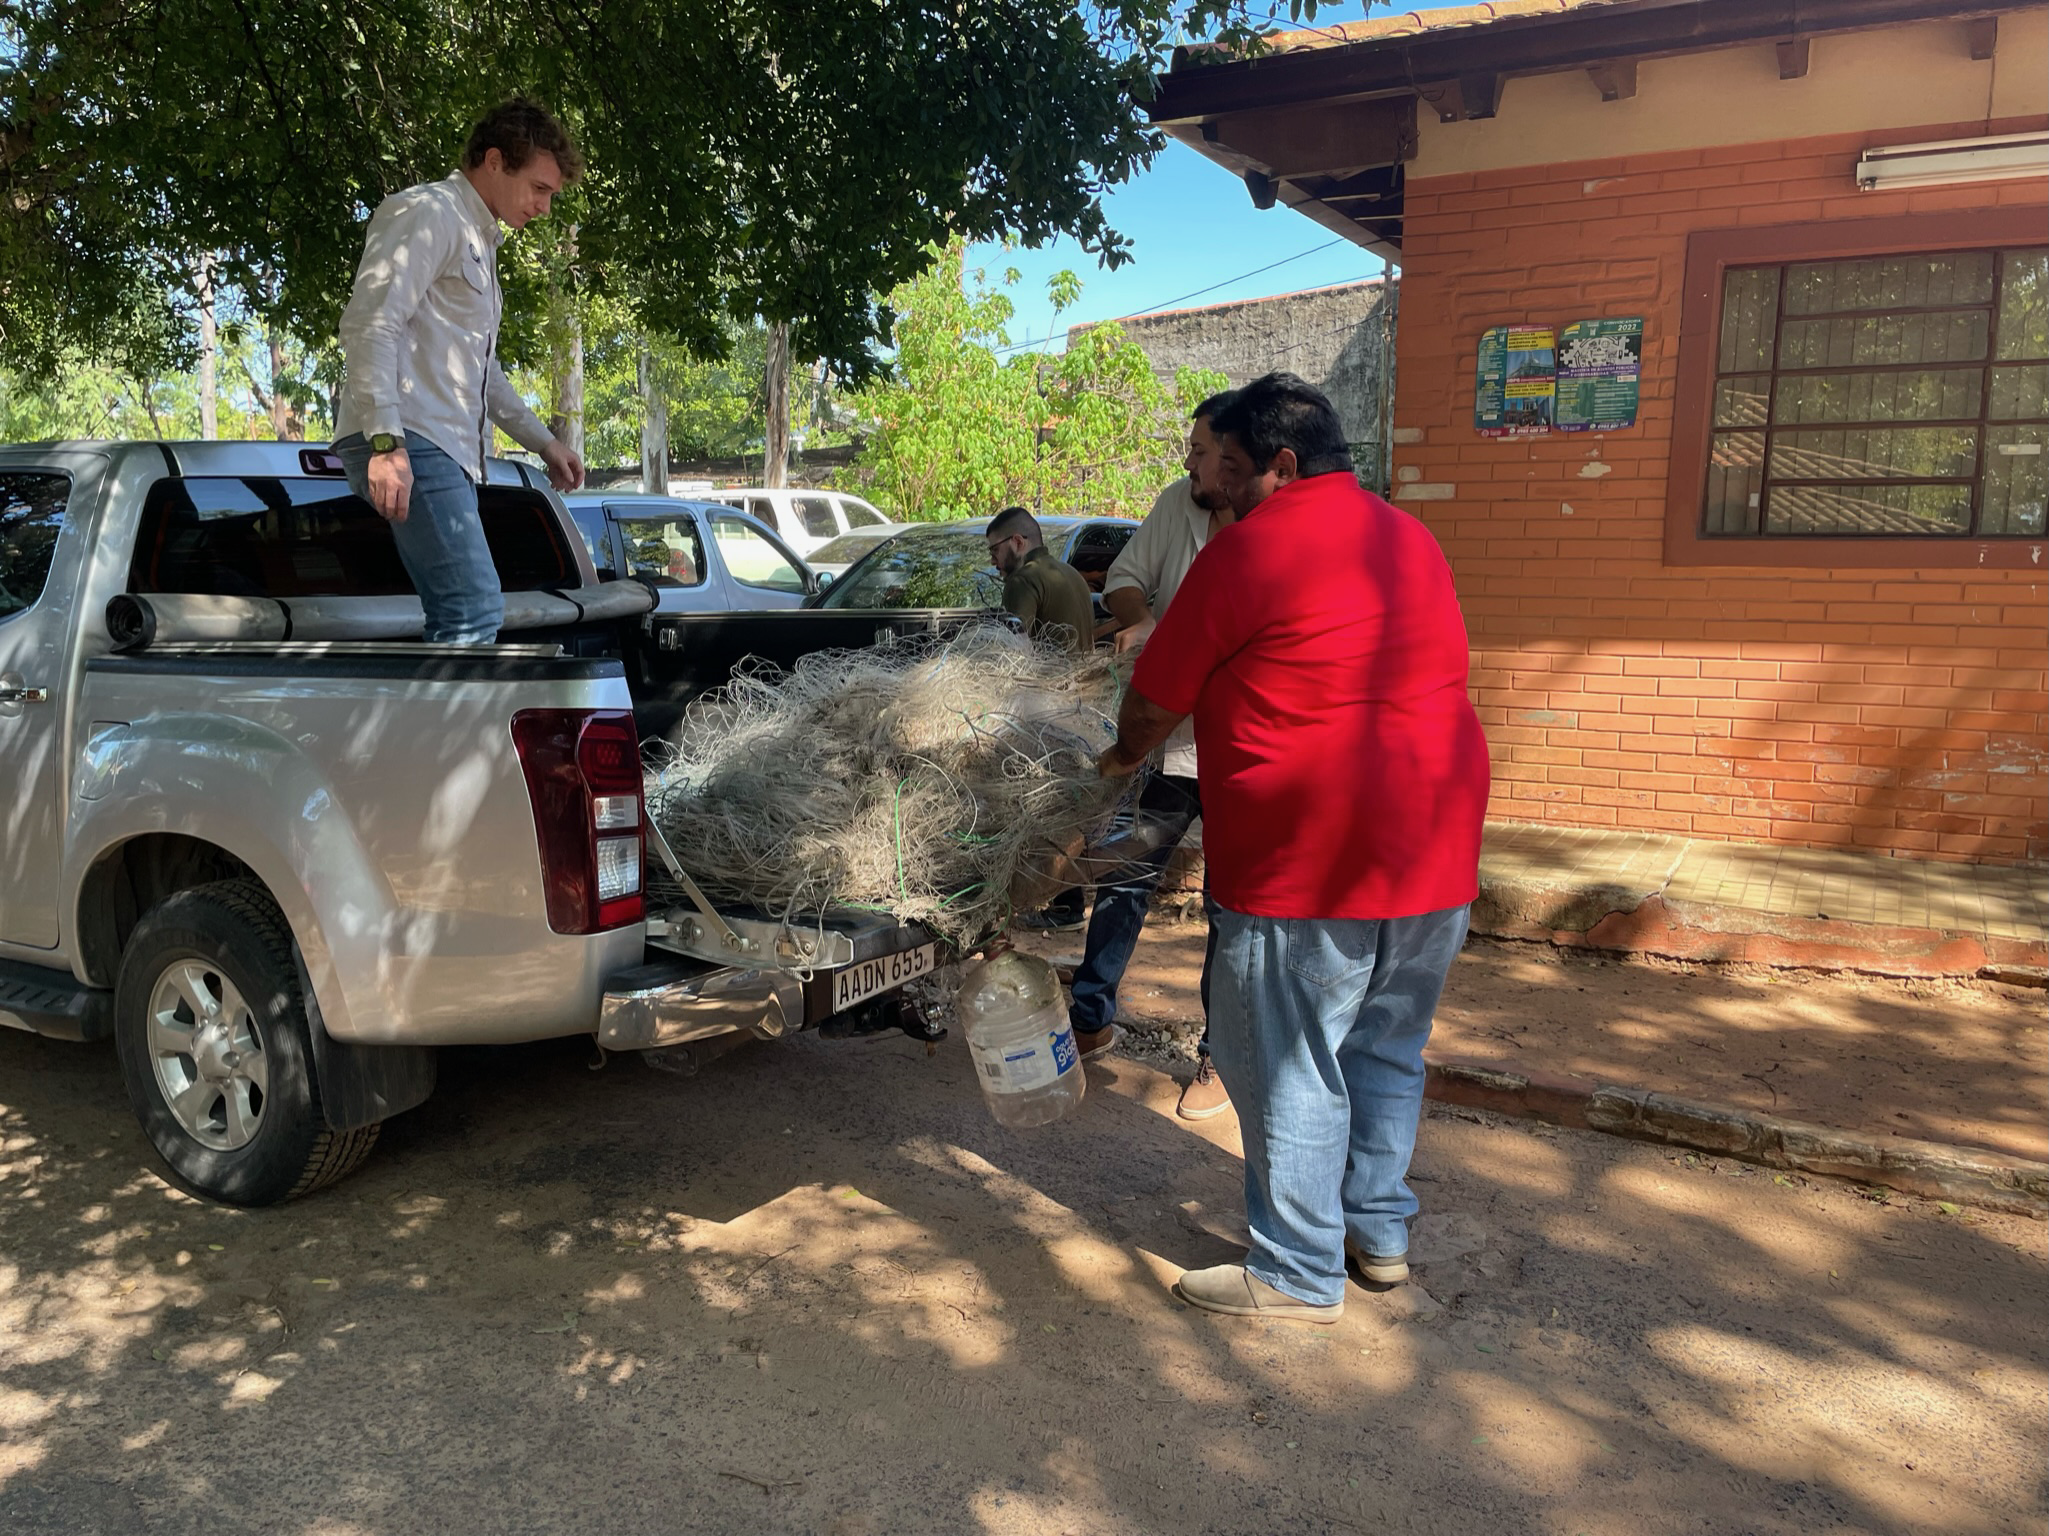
{"x":1139,"y":586}
{"x":423,"y":385}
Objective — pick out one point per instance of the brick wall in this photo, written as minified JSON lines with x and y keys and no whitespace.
{"x":1881,"y":709}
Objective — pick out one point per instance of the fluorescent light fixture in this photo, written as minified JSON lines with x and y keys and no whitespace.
{"x":1953,"y":162}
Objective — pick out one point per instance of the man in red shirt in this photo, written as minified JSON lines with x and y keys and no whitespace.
{"x":1319,"y":645}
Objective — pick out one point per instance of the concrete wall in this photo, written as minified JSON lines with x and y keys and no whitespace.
{"x":1333,"y":337}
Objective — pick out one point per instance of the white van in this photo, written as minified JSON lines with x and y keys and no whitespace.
{"x":805,"y":519}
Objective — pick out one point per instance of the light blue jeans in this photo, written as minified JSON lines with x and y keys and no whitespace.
{"x":1317,"y":1026}
{"x":1122,"y":903}
{"x":441,"y":542}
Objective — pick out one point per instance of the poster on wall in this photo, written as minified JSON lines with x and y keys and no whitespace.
{"x":1600,"y":372}
{"x":1515,"y":381}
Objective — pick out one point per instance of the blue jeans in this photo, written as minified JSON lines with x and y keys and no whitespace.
{"x":441,"y":542}
{"x":1120,"y":910}
{"x":1319,"y":1028}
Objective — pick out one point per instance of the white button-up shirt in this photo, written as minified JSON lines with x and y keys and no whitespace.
{"x":420,"y":332}
{"x":1154,"y":563}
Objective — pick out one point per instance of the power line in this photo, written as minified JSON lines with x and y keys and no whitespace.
{"x":1019,"y":346}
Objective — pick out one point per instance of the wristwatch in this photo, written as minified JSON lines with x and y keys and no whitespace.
{"x":385,"y":442}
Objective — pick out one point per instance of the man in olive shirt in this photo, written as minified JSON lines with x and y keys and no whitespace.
{"x":1049,"y":596}
{"x":1051,"y":599}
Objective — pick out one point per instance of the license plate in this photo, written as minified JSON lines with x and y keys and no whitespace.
{"x":870,"y":978}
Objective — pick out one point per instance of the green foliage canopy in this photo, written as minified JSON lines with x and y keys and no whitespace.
{"x":747,"y":158}
{"x":963,"y":428}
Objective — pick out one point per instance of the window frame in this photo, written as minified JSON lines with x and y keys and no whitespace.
{"x":753,"y":525}
{"x":56,"y":542}
{"x":1709,"y":256}
{"x":818,"y":502}
{"x":665,"y":581}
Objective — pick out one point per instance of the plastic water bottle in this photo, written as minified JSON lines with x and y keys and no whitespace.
{"x":1016,"y":1024}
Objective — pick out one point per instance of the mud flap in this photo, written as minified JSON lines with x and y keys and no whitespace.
{"x":359,"y":1085}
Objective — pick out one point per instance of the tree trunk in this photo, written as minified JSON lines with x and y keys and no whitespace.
{"x":654,"y":427}
{"x":284,"y":421}
{"x":145,"y":394}
{"x":279,"y":406}
{"x":775,"y":454}
{"x":565,"y":368}
{"x":209,"y":350}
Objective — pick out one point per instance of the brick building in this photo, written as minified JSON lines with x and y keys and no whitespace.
{"x":1801,"y":599}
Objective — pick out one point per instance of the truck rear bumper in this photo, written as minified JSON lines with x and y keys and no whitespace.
{"x":673,"y":1001}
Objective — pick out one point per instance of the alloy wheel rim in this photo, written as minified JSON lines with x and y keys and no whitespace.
{"x":206,"y":1050}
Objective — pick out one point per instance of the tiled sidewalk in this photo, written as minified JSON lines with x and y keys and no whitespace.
{"x":1997,"y":902}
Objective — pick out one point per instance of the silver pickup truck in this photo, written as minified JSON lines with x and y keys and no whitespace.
{"x":279,"y":873}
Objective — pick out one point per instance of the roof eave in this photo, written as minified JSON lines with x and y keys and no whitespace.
{"x":1522,"y":45}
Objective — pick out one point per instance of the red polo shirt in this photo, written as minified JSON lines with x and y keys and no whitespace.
{"x":1320,"y":647}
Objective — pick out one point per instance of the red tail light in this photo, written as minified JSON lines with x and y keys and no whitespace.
{"x":583,"y":776}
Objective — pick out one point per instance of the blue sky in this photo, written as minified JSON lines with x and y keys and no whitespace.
{"x":1192,"y":227}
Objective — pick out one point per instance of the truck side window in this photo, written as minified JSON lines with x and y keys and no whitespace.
{"x":860,"y":514}
{"x":597,"y":538}
{"x":815,"y":512}
{"x":751,"y":559}
{"x":31,"y":517}
{"x":669,"y":551}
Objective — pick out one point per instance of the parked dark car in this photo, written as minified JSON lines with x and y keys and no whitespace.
{"x":946,"y":565}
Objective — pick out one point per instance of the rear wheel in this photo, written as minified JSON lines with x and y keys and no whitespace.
{"x":216,"y":1049}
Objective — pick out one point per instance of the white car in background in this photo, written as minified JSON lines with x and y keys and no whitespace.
{"x":804,"y":519}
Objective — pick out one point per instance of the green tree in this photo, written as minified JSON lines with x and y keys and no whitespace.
{"x":955,"y":424}
{"x":748,"y":158}
{"x":1118,"y":432}
{"x":962,"y":429}
{"x":714,"y":405}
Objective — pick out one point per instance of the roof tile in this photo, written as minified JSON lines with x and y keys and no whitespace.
{"x":1415,"y":23}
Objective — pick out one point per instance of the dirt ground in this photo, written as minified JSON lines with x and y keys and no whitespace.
{"x":1949,"y":1061}
{"x":815,"y":1288}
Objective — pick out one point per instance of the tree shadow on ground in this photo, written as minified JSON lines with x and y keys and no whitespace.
{"x":816,"y":1288}
{"x":1939,"y":1060}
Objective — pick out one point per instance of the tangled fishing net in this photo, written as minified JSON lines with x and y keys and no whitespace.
{"x":941,"y":782}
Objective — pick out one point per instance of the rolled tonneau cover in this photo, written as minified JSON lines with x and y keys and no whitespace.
{"x":136,"y":621}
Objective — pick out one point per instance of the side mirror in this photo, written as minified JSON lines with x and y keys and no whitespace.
{"x":824,"y":579}
{"x":813,"y":584}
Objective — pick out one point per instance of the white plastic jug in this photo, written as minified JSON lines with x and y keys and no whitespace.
{"x":1023,"y":1047}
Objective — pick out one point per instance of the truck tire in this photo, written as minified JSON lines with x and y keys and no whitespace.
{"x":211,"y":1026}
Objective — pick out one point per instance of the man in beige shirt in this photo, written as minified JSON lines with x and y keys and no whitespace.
{"x":423,"y":385}
{"x":1141,"y":583}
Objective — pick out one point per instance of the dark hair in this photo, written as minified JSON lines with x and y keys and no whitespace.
{"x":1214,"y":406}
{"x":1015,"y":520}
{"x":1283,"y":410}
{"x":519,"y":130}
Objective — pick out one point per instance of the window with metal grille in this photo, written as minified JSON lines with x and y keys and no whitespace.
{"x":1882,"y":396}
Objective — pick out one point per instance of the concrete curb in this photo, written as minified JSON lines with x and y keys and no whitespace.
{"x":1966,"y":1175}
{"x":1618,"y":921}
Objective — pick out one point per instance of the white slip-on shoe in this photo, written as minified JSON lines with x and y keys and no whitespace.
{"x":1234,"y":1290}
